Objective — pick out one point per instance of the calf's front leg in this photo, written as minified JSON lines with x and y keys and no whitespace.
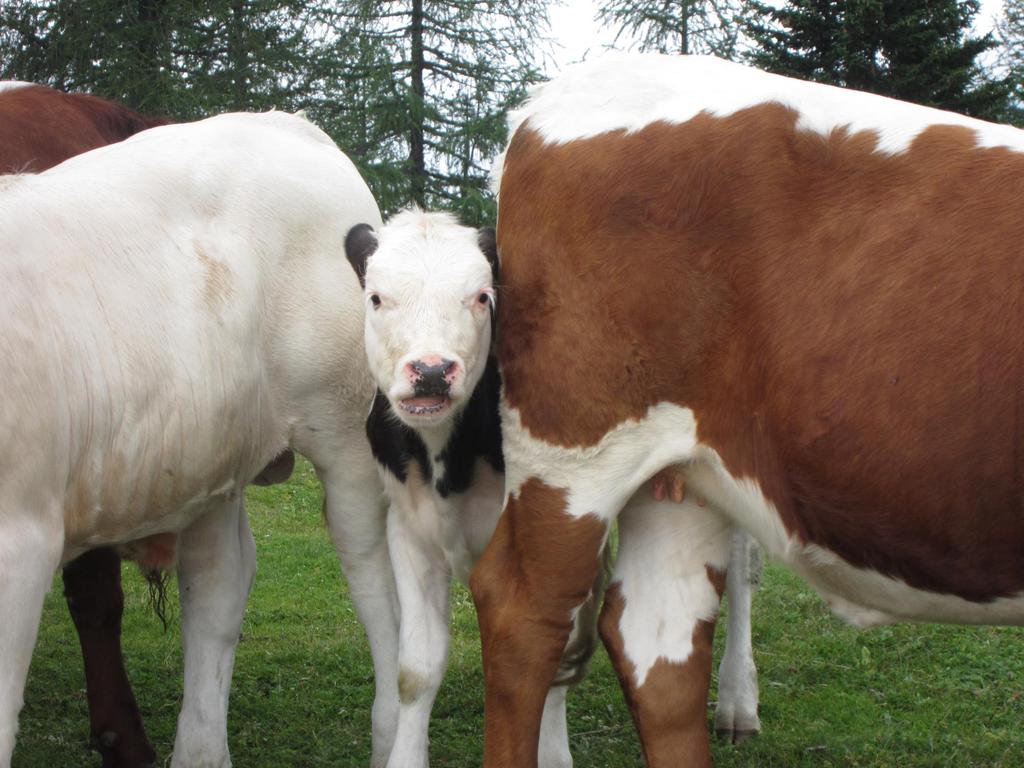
{"x":423,"y":578}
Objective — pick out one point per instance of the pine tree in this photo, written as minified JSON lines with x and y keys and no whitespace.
{"x":438,"y":79}
{"x":168,"y":57}
{"x":916,"y":50}
{"x":675,"y":26}
{"x":414,"y":91}
{"x":113,"y":49}
{"x":1010,"y":34}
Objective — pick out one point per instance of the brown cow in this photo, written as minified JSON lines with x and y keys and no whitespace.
{"x":810,"y":299}
{"x":42,"y":127}
{"x":39,"y":128}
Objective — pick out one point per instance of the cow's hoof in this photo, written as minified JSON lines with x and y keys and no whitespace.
{"x":734,"y":736}
{"x":104,"y":741}
{"x":106,"y":744}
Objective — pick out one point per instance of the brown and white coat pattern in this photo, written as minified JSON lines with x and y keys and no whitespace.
{"x":811,"y":300}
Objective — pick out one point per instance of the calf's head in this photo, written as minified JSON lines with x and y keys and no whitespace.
{"x":429,"y":285}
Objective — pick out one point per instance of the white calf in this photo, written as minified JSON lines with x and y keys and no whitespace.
{"x":430,"y":289}
{"x":435,"y":432}
{"x":176,"y":312}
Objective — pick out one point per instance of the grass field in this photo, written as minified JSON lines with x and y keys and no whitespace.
{"x":830,"y":695}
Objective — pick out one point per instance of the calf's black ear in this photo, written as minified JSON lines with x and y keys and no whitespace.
{"x":488,"y":243}
{"x":360,"y":243}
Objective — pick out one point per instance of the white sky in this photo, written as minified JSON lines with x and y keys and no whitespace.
{"x":576,"y":32}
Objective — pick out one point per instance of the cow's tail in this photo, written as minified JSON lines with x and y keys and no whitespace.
{"x":157,"y":580}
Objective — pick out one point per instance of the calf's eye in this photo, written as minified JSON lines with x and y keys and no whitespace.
{"x":375,"y":300}
{"x":483,"y":298}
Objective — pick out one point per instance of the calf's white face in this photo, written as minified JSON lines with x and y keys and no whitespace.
{"x":430,"y":300}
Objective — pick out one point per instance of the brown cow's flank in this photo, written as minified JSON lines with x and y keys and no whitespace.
{"x":540,"y":564}
{"x":73,"y":123}
{"x":845,"y":324}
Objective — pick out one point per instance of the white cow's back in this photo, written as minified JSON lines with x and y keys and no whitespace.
{"x":167,"y":301}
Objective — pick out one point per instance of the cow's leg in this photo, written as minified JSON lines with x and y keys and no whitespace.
{"x":92,"y":587}
{"x":356,"y":518}
{"x":553,"y":751}
{"x":736,"y":714}
{"x":536,"y":572}
{"x":423,"y":577}
{"x":658,"y":622}
{"x":541,"y":564}
{"x":30,"y":553}
{"x":216,"y":566}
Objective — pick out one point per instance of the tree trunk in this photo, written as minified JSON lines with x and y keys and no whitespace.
{"x":237,"y":55}
{"x":684,"y":26}
{"x":140,"y":91}
{"x":417,"y":163}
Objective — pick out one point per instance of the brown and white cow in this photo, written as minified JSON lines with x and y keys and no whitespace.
{"x":39,"y":128}
{"x":812,"y":301}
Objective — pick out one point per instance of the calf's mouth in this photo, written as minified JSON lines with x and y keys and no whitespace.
{"x":424,"y":405}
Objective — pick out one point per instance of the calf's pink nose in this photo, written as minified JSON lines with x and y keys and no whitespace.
{"x":432,"y":369}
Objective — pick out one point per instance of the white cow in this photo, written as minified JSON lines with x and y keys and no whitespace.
{"x":176,"y":311}
{"x":430,"y":288}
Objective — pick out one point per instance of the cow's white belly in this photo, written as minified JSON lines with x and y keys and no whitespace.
{"x":158,"y":468}
{"x":601,"y":478}
{"x":862,"y":596}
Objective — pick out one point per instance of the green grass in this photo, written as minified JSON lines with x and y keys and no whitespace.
{"x":830,"y":695}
